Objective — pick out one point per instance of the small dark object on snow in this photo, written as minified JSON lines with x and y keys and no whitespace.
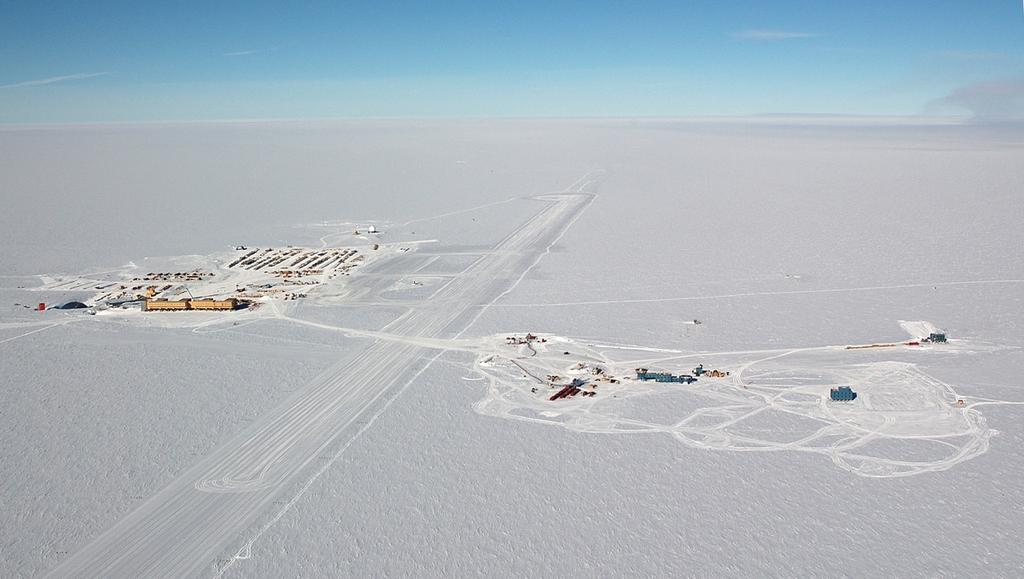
{"x":843,"y":393}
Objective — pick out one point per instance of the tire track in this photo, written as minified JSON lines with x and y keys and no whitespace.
{"x":180,"y":530}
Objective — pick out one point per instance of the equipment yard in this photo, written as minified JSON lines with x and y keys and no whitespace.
{"x":727,"y":411}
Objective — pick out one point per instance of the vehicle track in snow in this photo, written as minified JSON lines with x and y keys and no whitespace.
{"x":904,"y":423}
{"x":183,"y":529}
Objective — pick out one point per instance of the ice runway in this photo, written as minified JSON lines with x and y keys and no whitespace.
{"x":184,"y":528}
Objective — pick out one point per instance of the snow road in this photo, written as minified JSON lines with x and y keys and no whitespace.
{"x":184,"y":528}
{"x":904,"y":423}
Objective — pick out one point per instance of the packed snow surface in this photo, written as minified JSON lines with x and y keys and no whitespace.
{"x":457,"y":392}
{"x":785,"y":388}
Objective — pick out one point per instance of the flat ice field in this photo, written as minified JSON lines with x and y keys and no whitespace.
{"x":530,"y":348}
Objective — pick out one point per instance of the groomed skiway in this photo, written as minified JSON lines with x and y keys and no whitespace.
{"x":183,"y":528}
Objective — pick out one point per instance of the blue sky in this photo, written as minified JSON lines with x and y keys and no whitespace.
{"x":139,"y":61}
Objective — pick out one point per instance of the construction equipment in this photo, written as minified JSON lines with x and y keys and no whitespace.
{"x":936,"y":338}
{"x":514,"y":340}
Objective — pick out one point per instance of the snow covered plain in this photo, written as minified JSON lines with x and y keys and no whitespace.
{"x":369,"y":430}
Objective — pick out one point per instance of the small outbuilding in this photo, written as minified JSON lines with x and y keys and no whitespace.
{"x":72,"y":306}
{"x":843,"y":394}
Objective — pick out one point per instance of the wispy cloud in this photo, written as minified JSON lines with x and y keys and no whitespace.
{"x":991,"y":99}
{"x":969,"y":55}
{"x":248,"y":52}
{"x":772,"y":35}
{"x":53,"y":79}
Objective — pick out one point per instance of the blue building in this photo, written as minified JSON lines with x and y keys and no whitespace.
{"x":843,"y":393}
{"x":643,"y":375}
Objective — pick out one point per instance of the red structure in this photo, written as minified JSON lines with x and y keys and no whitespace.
{"x":561,"y":393}
{"x":566,"y":392}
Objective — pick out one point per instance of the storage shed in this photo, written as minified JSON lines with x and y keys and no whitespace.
{"x":843,"y":394}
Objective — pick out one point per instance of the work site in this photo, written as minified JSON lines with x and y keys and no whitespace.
{"x":838,"y":401}
{"x":243,"y":279}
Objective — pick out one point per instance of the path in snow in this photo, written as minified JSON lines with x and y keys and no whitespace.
{"x":903,"y":423}
{"x":184,"y":527}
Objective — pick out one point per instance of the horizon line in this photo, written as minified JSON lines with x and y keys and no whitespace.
{"x":766,"y":118}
